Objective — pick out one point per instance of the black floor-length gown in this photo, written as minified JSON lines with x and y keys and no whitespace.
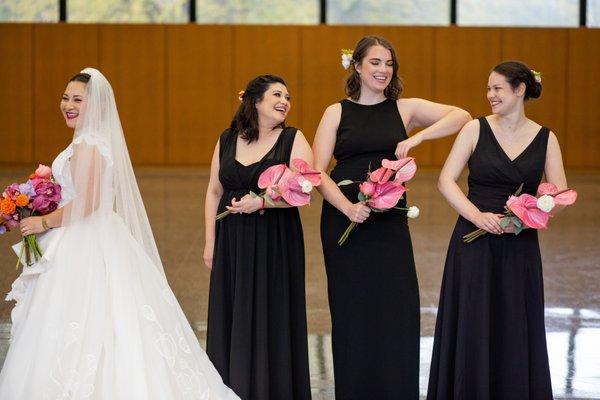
{"x":490,"y":341}
{"x":256,"y":335}
{"x":372,"y":282}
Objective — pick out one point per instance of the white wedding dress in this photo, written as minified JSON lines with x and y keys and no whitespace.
{"x":95,"y":318}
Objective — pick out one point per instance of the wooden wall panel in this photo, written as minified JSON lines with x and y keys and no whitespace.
{"x":200,"y":90}
{"x":531,"y":47}
{"x":132,"y":57}
{"x":463,"y":59}
{"x":60,"y":51}
{"x":261,"y":50}
{"x":176,"y":85}
{"x":322,"y":76}
{"x":16,"y":93}
{"x":583,"y":101}
{"x":415,"y":51}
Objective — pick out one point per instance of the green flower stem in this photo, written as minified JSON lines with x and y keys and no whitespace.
{"x":223,"y":214}
{"x":346,"y":233}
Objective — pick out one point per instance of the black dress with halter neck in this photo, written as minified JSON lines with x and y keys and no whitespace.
{"x":372,"y":281}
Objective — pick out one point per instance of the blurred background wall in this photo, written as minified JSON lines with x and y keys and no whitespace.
{"x":176,"y":67}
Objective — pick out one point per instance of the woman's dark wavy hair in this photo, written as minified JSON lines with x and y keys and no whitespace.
{"x":80,"y":77}
{"x":245,"y":120}
{"x":394,"y":89}
{"x":517,"y":72}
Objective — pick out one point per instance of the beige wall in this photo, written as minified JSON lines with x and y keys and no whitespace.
{"x":177,"y":85}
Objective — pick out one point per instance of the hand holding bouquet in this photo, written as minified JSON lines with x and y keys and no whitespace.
{"x":281,"y":183}
{"x":384,"y":188}
{"x":527,"y":211}
{"x":40,"y":195}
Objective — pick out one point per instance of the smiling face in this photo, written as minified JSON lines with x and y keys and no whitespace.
{"x":73,"y":102}
{"x":273,"y":108}
{"x":376,"y":69}
{"x":502,"y":97}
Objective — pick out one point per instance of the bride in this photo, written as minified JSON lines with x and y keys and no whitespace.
{"x":95,"y":317}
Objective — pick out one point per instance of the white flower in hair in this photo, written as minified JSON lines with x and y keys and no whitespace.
{"x":537,"y":75}
{"x":347,"y":58}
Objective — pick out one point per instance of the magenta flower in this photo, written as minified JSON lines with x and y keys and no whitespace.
{"x":12,"y":191}
{"x":48,"y":189}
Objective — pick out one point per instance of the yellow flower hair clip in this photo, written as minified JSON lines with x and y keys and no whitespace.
{"x":347,"y":58}
{"x":241,"y":95}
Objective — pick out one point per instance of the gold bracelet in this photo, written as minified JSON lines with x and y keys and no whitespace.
{"x":44,"y":224}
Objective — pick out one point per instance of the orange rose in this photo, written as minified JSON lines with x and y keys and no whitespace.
{"x":7,"y":206}
{"x":22,"y":200}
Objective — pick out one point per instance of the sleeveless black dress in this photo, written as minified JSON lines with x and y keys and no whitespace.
{"x":490,"y":340}
{"x":257,"y":313}
{"x":372,"y":282}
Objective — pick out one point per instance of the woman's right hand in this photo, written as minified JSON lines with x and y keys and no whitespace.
{"x":489,"y":222}
{"x":209,"y":249}
{"x":357,"y":212}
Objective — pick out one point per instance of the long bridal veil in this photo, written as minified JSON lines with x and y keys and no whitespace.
{"x":101,"y":170}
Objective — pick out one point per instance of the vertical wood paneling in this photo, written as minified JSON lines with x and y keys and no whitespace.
{"x":132,"y":57}
{"x":268,"y":50}
{"x":60,"y":51}
{"x":415,"y":51}
{"x":176,"y":86}
{"x":463,"y":59}
{"x":16,"y":93}
{"x":199,"y":90}
{"x":531,"y":47}
{"x":583,"y":101}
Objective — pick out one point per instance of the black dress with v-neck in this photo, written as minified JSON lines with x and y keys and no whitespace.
{"x":256,"y":334}
{"x":490,"y":340}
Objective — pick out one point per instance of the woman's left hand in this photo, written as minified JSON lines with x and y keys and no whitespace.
{"x":246,"y":205}
{"x":404,"y":146}
{"x":31,"y":225}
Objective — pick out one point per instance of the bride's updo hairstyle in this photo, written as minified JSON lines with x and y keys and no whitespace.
{"x":245,"y":120}
{"x":80,"y":77}
{"x":516,"y":73}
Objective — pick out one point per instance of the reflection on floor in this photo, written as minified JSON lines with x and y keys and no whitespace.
{"x":570,"y":250}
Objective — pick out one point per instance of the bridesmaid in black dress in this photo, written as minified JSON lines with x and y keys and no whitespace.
{"x":372,"y":283}
{"x":257,"y":313}
{"x":490,"y":341}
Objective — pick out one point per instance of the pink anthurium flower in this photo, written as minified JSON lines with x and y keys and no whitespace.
{"x":386,"y":195}
{"x":297,"y":190}
{"x":381,"y":175}
{"x":525,"y":208}
{"x":561,"y":197}
{"x":270,"y":178}
{"x":407,"y":170}
{"x":306,"y":170}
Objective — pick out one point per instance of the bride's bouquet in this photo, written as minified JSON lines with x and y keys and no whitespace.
{"x":40,"y":195}
{"x":384,"y":188}
{"x":280,"y":183}
{"x":527,"y":211}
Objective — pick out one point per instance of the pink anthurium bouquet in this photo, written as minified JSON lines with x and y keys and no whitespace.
{"x":527,"y":211}
{"x":40,"y":195}
{"x":384,"y":188}
{"x":280,"y":183}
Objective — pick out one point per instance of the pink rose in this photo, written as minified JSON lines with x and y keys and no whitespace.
{"x":43,"y":171}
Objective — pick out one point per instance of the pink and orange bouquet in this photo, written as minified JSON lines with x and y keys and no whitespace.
{"x":527,"y":211}
{"x":40,"y":195}
{"x":384,"y":188}
{"x":292,"y":186}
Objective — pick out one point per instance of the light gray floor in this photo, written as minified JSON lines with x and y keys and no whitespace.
{"x":570,"y":248}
